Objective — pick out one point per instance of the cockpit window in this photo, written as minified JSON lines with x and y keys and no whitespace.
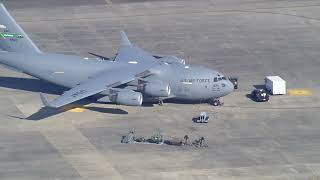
{"x":216,"y":79}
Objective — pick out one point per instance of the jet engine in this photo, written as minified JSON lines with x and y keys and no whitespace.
{"x":155,"y":89}
{"x":129,"y":98}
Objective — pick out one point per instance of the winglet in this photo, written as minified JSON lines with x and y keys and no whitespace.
{"x":44,"y":100}
{"x":124,"y":39}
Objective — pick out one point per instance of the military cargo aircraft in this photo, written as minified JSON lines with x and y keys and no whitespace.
{"x":131,"y":77}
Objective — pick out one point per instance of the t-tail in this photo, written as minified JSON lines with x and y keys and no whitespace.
{"x":12,"y":36}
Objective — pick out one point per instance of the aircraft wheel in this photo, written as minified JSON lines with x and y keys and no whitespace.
{"x":216,"y":102}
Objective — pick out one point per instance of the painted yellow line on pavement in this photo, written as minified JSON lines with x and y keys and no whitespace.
{"x":300,"y":92}
{"x":77,"y":110}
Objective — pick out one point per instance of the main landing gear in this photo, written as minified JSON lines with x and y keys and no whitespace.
{"x":160,"y":102}
{"x":216,"y":102}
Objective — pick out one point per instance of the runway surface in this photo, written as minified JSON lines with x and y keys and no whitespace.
{"x":246,"y":140}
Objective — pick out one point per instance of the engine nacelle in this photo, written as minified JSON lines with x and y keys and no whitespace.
{"x":129,"y":98}
{"x":155,"y":89}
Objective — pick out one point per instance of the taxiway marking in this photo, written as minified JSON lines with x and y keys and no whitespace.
{"x":300,"y":92}
{"x":77,"y":150}
{"x":77,"y":110}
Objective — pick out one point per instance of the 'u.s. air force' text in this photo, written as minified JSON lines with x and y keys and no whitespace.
{"x":196,"y":80}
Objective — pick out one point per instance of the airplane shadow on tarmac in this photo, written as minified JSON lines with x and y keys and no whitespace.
{"x":33,"y":85}
{"x":46,"y":112}
{"x":39,"y":86}
{"x":36,"y":85}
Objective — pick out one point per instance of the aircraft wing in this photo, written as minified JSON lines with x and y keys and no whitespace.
{"x":94,"y":86}
{"x":127,"y":72}
{"x":133,"y":63}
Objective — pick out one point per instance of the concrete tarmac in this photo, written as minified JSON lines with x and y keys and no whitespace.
{"x":246,"y":140}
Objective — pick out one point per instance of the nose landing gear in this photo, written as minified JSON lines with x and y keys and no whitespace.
{"x":160,"y":102}
{"x":216,"y":102}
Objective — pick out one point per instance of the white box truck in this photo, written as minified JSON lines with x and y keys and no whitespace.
{"x":275,"y":85}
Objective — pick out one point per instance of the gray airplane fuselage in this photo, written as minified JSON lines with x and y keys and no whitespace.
{"x":187,"y":82}
{"x":192,"y":82}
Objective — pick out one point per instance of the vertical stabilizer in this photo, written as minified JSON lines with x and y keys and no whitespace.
{"x":12,"y":36}
{"x":124,"y":39}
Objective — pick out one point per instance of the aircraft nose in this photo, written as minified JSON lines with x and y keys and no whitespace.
{"x":229,"y":87}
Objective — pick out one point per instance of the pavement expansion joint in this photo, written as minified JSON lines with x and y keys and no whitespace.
{"x":81,"y":154}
